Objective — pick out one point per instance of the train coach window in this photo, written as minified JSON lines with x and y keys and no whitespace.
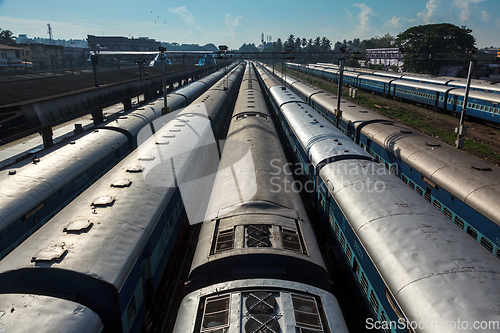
{"x":374,"y":301}
{"x":225,"y":240}
{"x":447,"y":213}
{"x":306,"y":313}
{"x":411,"y":184}
{"x":131,"y":310}
{"x":487,"y":244}
{"x":472,"y":232}
{"x":216,"y":313}
{"x":436,"y":204}
{"x":458,"y":221}
{"x":383,"y":318}
{"x":498,"y":254}
{"x":364,"y":283}
{"x":420,"y":191}
{"x":291,"y":240}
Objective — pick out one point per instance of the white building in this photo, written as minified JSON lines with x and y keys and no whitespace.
{"x":387,"y":57}
{"x":10,"y":58}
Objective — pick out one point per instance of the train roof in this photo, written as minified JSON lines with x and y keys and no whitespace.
{"x":285,"y":293}
{"x":43,"y":314}
{"x":421,"y":85}
{"x":433,"y":269}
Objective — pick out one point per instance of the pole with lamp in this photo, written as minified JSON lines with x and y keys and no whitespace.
{"x":223,"y":50}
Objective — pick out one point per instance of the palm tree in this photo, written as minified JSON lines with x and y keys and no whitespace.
{"x":7,"y":37}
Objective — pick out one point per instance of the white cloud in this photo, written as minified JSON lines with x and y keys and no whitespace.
{"x":363,"y":18}
{"x":396,"y":22}
{"x":485,"y":16}
{"x":463,"y":5}
{"x":349,"y":14}
{"x":187,"y":17}
{"x":232,"y":23}
{"x":428,"y":14}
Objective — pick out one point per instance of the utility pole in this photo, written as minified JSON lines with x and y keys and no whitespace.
{"x":338,"y":111}
{"x":223,"y":50}
{"x":461,"y":130}
{"x":95,"y":60}
{"x":162,"y":58}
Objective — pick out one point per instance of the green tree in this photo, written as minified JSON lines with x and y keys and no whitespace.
{"x":297,"y":46}
{"x":326,"y":45}
{"x":376,"y":42}
{"x":431,"y":39}
{"x":290,"y":41}
{"x":7,"y":37}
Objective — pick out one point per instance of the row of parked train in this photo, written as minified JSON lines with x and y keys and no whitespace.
{"x":464,"y":188}
{"x":445,"y":94}
{"x":34,"y":190}
{"x":411,"y":263}
{"x":96,"y":265}
{"x":257,"y":265}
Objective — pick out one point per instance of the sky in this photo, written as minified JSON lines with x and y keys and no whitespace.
{"x":234,"y":22}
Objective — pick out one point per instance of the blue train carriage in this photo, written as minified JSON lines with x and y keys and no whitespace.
{"x":413,"y":279}
{"x":380,"y":85}
{"x":107,"y":249}
{"x":480,"y":104}
{"x":34,"y":313}
{"x":260,"y":305}
{"x":427,"y":94}
{"x":462,"y":187}
{"x":409,"y":261}
{"x":260,"y":229}
{"x":391,"y":144}
{"x":476,"y":85}
{"x":35,"y":190}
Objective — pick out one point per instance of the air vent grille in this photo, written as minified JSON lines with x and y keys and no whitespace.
{"x":260,"y":302}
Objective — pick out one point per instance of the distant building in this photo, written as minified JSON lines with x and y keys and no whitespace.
{"x":117,"y":43}
{"x":78,"y":43}
{"x":10,"y":58}
{"x":43,"y":56}
{"x":388,"y":57}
